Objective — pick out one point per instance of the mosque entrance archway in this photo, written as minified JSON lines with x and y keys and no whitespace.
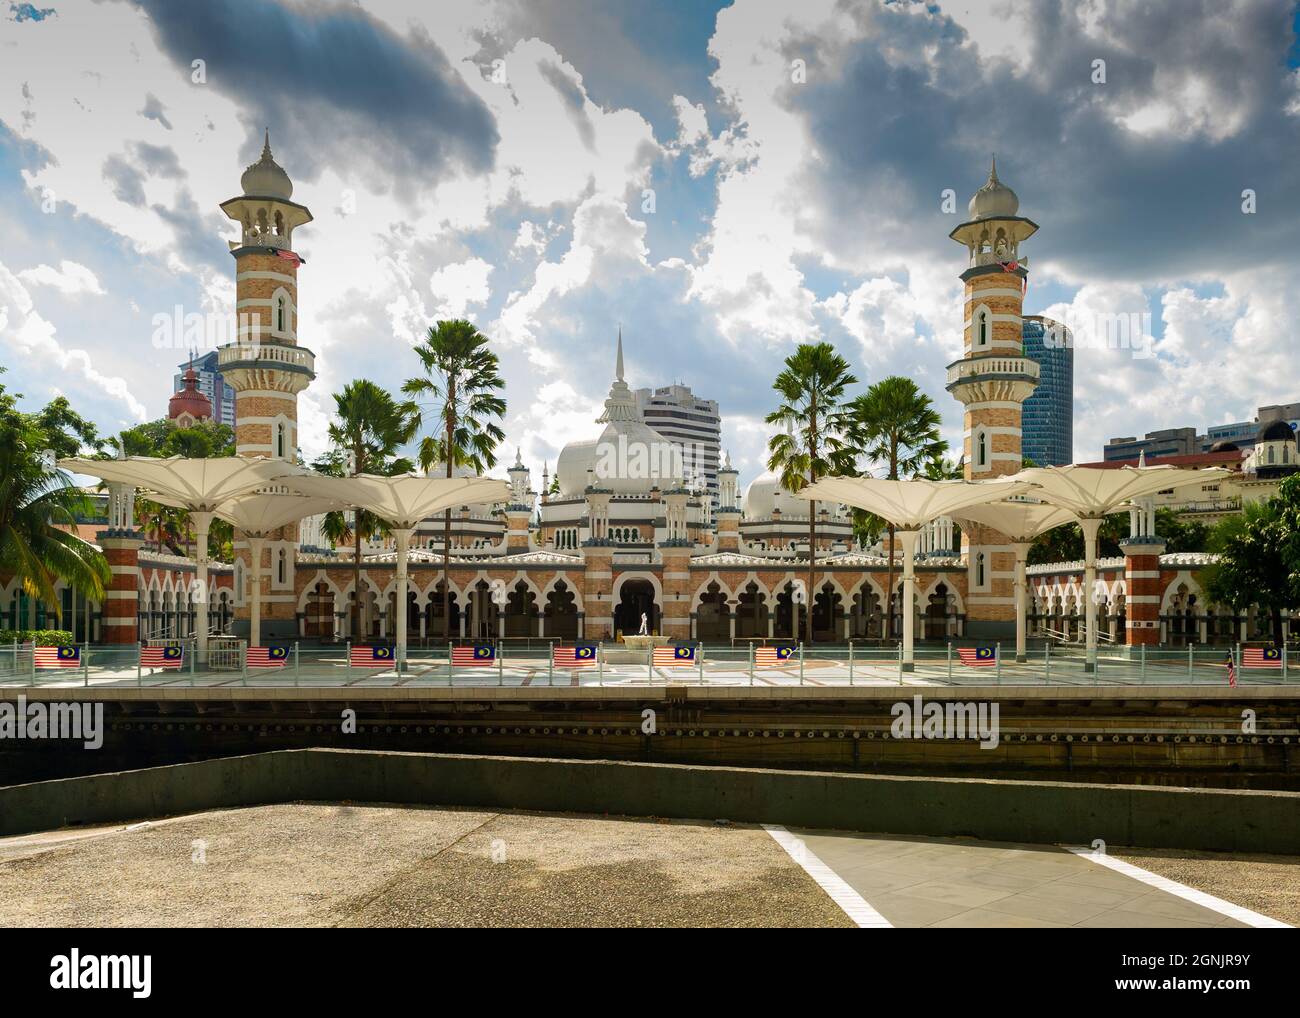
{"x":561,"y":613}
{"x":712,"y":618}
{"x":636,"y":597}
{"x":751,"y":612}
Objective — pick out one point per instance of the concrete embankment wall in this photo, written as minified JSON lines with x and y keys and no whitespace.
{"x":1024,"y":811}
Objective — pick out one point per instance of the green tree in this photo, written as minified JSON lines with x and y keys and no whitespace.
{"x":36,"y":498}
{"x":1065,"y":543}
{"x":1181,"y":534}
{"x":171,"y":527}
{"x":811,"y":388}
{"x":895,"y":426}
{"x":368,"y":429}
{"x":461,"y":389}
{"x":1259,"y":556}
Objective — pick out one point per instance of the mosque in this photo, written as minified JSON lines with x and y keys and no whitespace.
{"x":622,"y":530}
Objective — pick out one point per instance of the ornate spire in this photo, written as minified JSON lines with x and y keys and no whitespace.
{"x":620,"y":405}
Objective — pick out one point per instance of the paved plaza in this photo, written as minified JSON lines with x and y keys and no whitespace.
{"x":312,"y":864}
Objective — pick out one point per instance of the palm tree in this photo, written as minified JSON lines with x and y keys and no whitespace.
{"x":462,"y":382}
{"x":34,"y":500}
{"x":811,"y":388}
{"x":895,"y":425}
{"x":369,"y":427}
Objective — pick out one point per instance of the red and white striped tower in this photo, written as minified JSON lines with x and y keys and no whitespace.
{"x":265,"y":365}
{"x":992,"y":380}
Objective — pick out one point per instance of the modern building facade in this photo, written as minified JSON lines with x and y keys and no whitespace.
{"x":1048,"y":415}
{"x":1187,"y":441}
{"x":212,"y":383}
{"x":692,"y":424}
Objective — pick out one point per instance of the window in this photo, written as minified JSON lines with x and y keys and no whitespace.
{"x":979,"y":570}
{"x":981,"y":450}
{"x":983,"y":328}
{"x":279,"y":440}
{"x":281,"y":571}
{"x":279,"y":315}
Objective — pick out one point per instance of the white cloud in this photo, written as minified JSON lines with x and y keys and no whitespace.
{"x":31,"y":339}
{"x":458,"y":285}
{"x":70,"y":278}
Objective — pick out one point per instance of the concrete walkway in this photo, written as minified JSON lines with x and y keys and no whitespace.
{"x":967,"y":883}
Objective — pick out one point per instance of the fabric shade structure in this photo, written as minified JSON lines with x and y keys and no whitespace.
{"x":1023,"y":522}
{"x":910,"y":505}
{"x":1092,"y":494}
{"x":403,"y":501}
{"x":258,"y":515}
{"x":199,"y":486}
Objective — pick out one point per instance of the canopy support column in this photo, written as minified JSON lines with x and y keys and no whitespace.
{"x":1022,"y":556}
{"x":403,"y":539}
{"x":255,"y":546}
{"x":907,"y":538}
{"x":202,"y":523}
{"x":1090,"y":525}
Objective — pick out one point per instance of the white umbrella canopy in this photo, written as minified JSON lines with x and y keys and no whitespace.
{"x":910,"y":505}
{"x":197,"y":485}
{"x":1022,"y":522}
{"x":405,"y":500}
{"x":258,"y":514}
{"x":200,"y":485}
{"x":1099,"y":491}
{"x":1092,"y":493}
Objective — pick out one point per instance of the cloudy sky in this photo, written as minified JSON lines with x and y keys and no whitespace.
{"x":724,"y":180}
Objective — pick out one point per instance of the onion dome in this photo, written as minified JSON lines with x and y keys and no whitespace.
{"x":994,"y":200}
{"x":266,"y":178}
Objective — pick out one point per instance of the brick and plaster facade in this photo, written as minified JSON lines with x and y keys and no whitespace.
{"x":621,"y":531}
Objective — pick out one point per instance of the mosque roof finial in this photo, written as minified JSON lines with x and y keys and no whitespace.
{"x":618,"y":364}
{"x":266,"y":178}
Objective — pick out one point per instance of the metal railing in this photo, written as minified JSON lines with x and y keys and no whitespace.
{"x":533,"y":664}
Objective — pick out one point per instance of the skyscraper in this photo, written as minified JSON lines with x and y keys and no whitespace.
{"x":1047,"y":420}
{"x":690,"y":423}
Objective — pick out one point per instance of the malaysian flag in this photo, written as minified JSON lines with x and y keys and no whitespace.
{"x":477,"y":655}
{"x":169,"y":658}
{"x":1261,"y":657}
{"x":669,"y":657}
{"x":773,"y":655}
{"x":1232,"y":670}
{"x":268,"y":657}
{"x":574,"y":657}
{"x":370,"y":657}
{"x":978,"y":657}
{"x":288,"y":256}
{"x":57,"y":657}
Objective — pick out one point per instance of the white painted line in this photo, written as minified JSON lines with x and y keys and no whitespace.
{"x":853,"y":904}
{"x":1227,"y":908}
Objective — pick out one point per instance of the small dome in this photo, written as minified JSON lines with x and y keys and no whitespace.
{"x":266,"y":178}
{"x":1276,"y":431}
{"x":189,"y":400}
{"x":766,"y":493}
{"x":994,"y":200}
{"x":1223,"y":445}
